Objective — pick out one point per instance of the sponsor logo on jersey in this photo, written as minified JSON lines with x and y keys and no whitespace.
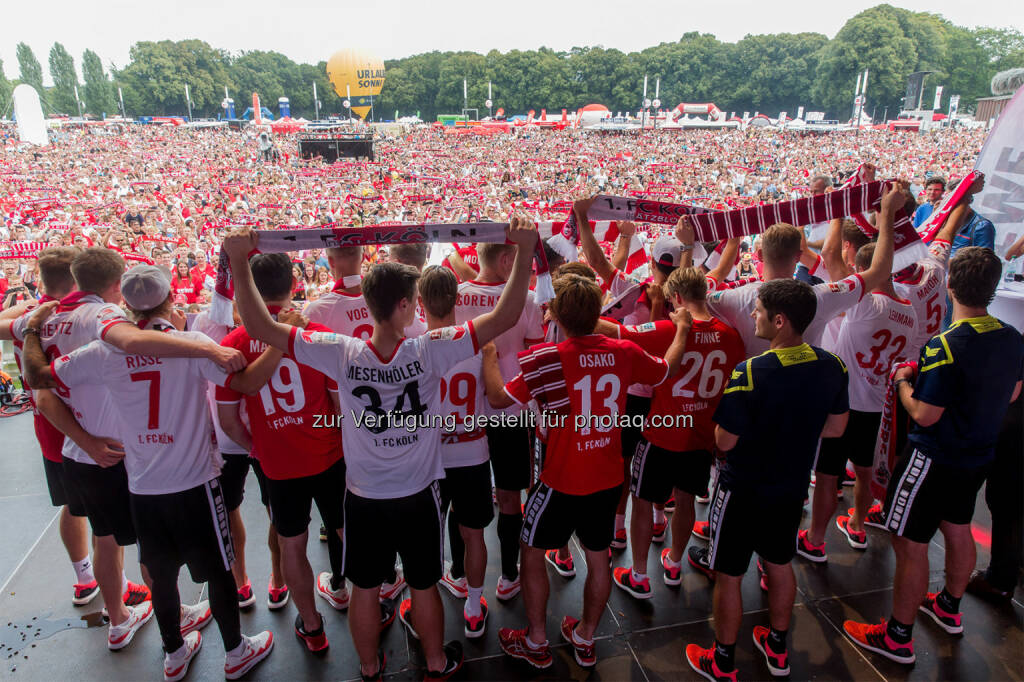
{"x":446,"y":334}
{"x":327,"y":338}
{"x":641,"y":328}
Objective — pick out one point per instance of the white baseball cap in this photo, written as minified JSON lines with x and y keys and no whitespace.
{"x":667,"y":251}
{"x":145,"y":287}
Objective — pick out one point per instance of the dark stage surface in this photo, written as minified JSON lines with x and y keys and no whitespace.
{"x":44,"y":637}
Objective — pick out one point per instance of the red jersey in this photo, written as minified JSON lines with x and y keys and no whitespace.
{"x":713,"y":348}
{"x":184,"y":287}
{"x":469,"y":257}
{"x":584,"y":453}
{"x":285,"y":417}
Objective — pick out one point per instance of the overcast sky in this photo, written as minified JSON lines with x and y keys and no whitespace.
{"x":310,"y":30}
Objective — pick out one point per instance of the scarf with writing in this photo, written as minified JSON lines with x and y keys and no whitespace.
{"x":893,"y":428}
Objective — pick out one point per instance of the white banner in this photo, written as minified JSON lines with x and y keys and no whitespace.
{"x":954,"y":105}
{"x":1002,"y":200}
{"x":937,"y":105}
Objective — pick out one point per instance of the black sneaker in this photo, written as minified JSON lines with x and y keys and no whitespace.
{"x":387,"y":613}
{"x":315,"y":640}
{"x":452,"y":663}
{"x":700,"y":559}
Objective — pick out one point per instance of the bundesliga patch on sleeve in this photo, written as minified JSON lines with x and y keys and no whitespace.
{"x":325,"y":338}
{"x":446,"y":334}
{"x":641,"y":328}
{"x":841,"y":286}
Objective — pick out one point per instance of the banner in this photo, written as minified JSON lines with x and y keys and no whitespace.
{"x":954,"y":105}
{"x":28,"y":111}
{"x":937,"y":104}
{"x":1002,"y":200}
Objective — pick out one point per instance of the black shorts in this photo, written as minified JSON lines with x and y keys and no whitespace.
{"x":857,"y":444}
{"x":375,"y":529}
{"x":632,"y":435}
{"x":291,"y":500}
{"x":551,"y":517}
{"x":743,"y":523}
{"x":468,"y":490}
{"x":261,"y":481}
{"x":103,"y":493}
{"x":190,"y":527}
{"x":509,"y":447}
{"x":657,"y":471}
{"x":923,"y":493}
{"x":60,"y":493}
{"x":232,"y":479}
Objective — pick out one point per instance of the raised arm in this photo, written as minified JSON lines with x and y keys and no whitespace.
{"x":881,"y":261}
{"x":255,"y":316}
{"x":728,"y":260}
{"x":488,"y":326}
{"x":33,"y":361}
{"x":627,"y":229}
{"x":832,"y":251}
{"x":591,"y":249}
{"x":462,"y":268}
{"x":958,"y":216}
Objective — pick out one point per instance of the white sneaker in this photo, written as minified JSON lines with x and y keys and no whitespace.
{"x":246,"y":655}
{"x":120,"y":636}
{"x":337,"y":598}
{"x":392,"y":590}
{"x":195,"y":617}
{"x":457,"y":586}
{"x":176,"y":663}
{"x":506,"y":588}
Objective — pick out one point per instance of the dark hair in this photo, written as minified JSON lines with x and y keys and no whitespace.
{"x":780,"y":243}
{"x":439,"y":289}
{"x":411,"y":254}
{"x":853,"y":234}
{"x":791,"y":298}
{"x":864,"y":255}
{"x":577,"y":268}
{"x":385,"y":285}
{"x":577,"y":304}
{"x":96,"y":268}
{"x":272,"y":274}
{"x":936,"y":180}
{"x":974,"y":275}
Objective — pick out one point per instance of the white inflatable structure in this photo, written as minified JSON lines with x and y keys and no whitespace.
{"x":29,"y":113}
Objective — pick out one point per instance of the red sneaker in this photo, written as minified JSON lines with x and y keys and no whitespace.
{"x":700,"y":559}
{"x":950,"y":622}
{"x":136,"y":594}
{"x":778,"y":664}
{"x":582,"y":651}
{"x":85,"y":593}
{"x":513,"y":643}
{"x":703,"y":662}
{"x":857,"y":540}
{"x":658,"y":532}
{"x":876,"y":638}
{"x":566,"y":569}
{"x":874,"y":518}
{"x":638,"y":589}
{"x":673,"y":574}
{"x":474,"y":625}
{"x":804,"y":548}
{"x":405,"y":615}
{"x":315,"y":640}
{"x":702,"y":530}
{"x":246,"y":597}
{"x":619,"y":542}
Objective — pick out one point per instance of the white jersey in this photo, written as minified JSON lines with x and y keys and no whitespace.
{"x":733,"y":306}
{"x":463,"y":399}
{"x":164,"y":421}
{"x":79,"y":319}
{"x":418,"y":326}
{"x":391,"y":406}
{"x":476,"y":298}
{"x":926,"y":291}
{"x":875,"y":334}
{"x":641,"y":314}
{"x":342,"y":313}
{"x":204,"y":324}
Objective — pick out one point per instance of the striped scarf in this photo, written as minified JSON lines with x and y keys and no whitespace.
{"x":893,"y":428}
{"x":544,"y":376}
{"x":938,"y":218}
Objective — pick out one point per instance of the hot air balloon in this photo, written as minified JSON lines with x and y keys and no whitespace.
{"x":356,"y":75}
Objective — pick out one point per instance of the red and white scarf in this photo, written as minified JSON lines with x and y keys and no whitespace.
{"x":280,"y":241}
{"x":888,"y":433}
{"x":938,"y":218}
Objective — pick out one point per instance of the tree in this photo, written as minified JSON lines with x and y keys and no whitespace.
{"x":5,"y":90}
{"x":29,"y":70}
{"x":154,"y":82}
{"x":62,"y":71}
{"x":99,"y":92}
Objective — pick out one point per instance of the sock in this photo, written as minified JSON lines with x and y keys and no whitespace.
{"x":579,"y":640}
{"x":673,"y":564}
{"x":83,"y":570}
{"x":473,"y":601}
{"x":659,"y":515}
{"x":509,"y":528}
{"x":124,"y":582}
{"x":948,"y":602}
{"x":725,"y":656}
{"x":777,"y":640}
{"x":534,"y":645}
{"x":620,"y":522}
{"x":901,"y":633}
{"x":638,"y":577}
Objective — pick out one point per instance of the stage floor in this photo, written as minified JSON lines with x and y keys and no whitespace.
{"x":44,"y":637}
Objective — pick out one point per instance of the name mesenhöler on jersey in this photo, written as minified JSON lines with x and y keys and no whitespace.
{"x":412,"y":422}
